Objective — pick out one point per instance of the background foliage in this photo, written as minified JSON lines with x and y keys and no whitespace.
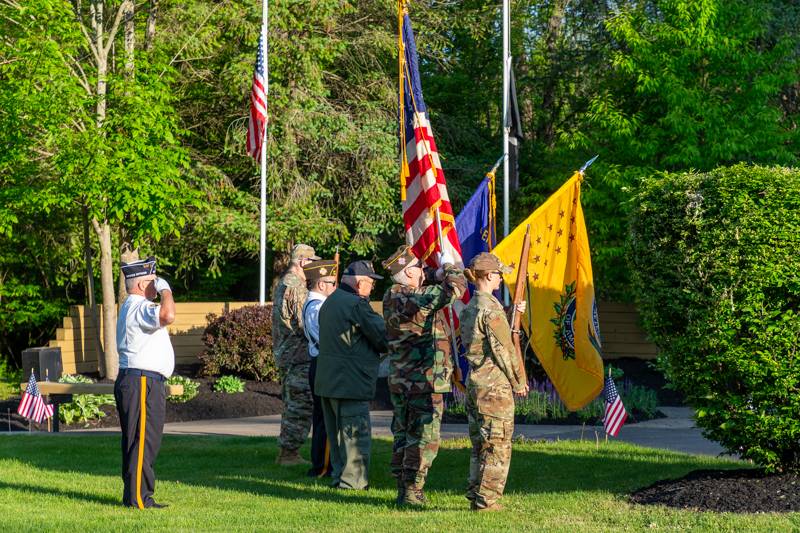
{"x":715,"y":266}
{"x":649,"y":85}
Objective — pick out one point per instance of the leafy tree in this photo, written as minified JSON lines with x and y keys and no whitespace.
{"x":106,"y":138}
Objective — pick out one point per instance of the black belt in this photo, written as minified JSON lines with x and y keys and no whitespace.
{"x":137,"y":372}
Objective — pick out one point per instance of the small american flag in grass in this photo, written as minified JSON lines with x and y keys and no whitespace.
{"x":32,"y":404}
{"x":615,"y":414}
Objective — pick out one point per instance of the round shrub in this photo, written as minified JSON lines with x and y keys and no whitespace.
{"x":716,"y":270}
{"x":240,"y":342}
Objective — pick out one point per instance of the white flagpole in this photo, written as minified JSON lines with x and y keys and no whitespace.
{"x":506,"y":61}
{"x":505,"y":126}
{"x":262,"y":274}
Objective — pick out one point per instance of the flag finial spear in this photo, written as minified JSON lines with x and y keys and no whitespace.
{"x":588,"y":164}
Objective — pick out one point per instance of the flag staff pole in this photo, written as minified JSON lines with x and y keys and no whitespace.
{"x":505,"y":124}
{"x":450,"y":308}
{"x":262,"y":271}
{"x":505,"y":121}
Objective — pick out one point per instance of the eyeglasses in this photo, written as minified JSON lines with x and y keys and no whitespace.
{"x":371,"y":281}
{"x":328,"y":281}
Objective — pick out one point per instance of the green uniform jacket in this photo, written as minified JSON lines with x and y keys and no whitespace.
{"x":419,"y":347}
{"x":351,"y":337}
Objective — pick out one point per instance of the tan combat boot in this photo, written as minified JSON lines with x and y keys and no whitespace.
{"x":488,"y":508}
{"x":413,"y":495}
{"x":290,"y":458}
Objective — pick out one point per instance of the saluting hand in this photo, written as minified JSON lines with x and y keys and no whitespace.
{"x":162,"y":285}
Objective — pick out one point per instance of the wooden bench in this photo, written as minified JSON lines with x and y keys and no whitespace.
{"x":59,"y":393}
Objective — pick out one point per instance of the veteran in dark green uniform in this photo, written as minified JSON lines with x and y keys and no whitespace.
{"x":351,"y":338}
{"x":420,"y":365}
{"x":493,"y":381}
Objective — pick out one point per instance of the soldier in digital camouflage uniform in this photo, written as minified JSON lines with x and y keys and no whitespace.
{"x":420,"y":365}
{"x":290,"y":349}
{"x":493,"y":381}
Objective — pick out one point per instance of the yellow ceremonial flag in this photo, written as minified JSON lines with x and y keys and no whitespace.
{"x":561,"y":320}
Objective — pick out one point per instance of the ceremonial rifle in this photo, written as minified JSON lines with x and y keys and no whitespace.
{"x":519,"y":295}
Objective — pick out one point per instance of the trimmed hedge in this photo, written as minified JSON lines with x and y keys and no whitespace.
{"x":715,"y":260}
{"x":240,"y":342}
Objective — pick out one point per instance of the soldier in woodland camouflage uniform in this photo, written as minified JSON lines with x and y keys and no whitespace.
{"x":420,"y":366}
{"x":493,"y":380}
{"x":290,"y":349}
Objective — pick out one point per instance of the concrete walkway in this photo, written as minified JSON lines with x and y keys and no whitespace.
{"x":677,"y":432}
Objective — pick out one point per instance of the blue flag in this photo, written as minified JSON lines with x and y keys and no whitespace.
{"x":475,"y":223}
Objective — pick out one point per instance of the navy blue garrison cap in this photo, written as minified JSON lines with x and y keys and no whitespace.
{"x":361,"y":268}
{"x":136,"y":269}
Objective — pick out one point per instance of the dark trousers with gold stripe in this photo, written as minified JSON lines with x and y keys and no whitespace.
{"x":141,"y":404}
{"x":320,"y":451}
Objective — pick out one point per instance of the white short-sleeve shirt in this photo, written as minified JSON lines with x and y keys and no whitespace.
{"x":141,"y":341}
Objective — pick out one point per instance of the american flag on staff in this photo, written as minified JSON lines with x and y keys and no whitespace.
{"x":32,"y":404}
{"x":615,"y":414}
{"x":422,"y":184}
{"x":423,"y":187}
{"x":258,"y":105}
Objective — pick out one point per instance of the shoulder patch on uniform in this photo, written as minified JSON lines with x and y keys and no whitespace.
{"x":493,"y":315}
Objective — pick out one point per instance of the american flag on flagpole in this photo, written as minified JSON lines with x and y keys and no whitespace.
{"x":427,"y":213}
{"x":256,"y":126}
{"x":615,"y":414}
{"x":425,"y":189}
{"x":32,"y":404}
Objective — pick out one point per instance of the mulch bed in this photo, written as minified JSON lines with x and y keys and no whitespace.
{"x":735,"y":491}
{"x":259,"y":398}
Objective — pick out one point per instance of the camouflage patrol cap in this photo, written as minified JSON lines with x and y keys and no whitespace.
{"x":321,"y":269}
{"x":489,"y":262}
{"x":304,"y":251}
{"x":403,"y":258}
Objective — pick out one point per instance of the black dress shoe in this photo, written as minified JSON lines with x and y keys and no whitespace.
{"x":155,"y":505}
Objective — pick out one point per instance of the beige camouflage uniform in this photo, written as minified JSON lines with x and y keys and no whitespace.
{"x":290,"y":348}
{"x":494,"y":372}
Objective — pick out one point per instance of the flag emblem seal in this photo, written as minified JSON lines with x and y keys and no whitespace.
{"x":564,"y":321}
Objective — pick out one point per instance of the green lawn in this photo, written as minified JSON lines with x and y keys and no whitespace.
{"x":70,"y":483}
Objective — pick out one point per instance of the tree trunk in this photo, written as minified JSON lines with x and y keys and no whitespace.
{"x":150,"y":29}
{"x":111,"y":358}
{"x":547,"y":131}
{"x":92,"y":315}
{"x":130,"y":37}
{"x":102,"y":61}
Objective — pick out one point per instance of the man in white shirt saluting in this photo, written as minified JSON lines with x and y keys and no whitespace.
{"x":146,"y":360}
